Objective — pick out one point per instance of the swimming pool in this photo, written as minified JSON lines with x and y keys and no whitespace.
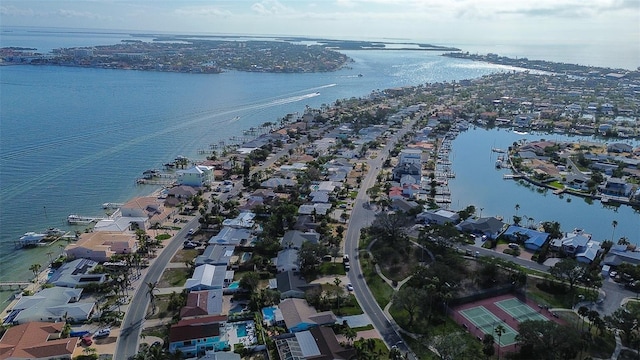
{"x":268,"y":314}
{"x":241,"y":330}
{"x":234,"y":285}
{"x":246,"y":256}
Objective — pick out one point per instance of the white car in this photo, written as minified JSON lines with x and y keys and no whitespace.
{"x":349,"y":287}
{"x":102,"y":333}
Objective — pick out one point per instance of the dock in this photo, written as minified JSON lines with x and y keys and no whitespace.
{"x":11,"y":284}
{"x":512,"y":176}
{"x":74,"y":219}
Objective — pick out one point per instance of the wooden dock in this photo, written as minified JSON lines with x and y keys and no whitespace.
{"x":11,"y":284}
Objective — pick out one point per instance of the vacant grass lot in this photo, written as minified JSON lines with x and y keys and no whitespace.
{"x":174,"y":277}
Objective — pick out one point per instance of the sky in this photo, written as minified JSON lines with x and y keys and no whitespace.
{"x":612,"y":23}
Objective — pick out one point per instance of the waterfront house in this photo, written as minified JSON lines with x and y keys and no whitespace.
{"x":196,"y":176}
{"x":577,"y":244}
{"x":616,"y":187}
{"x":202,"y":303}
{"x":179,"y":195}
{"x":37,"y":340}
{"x":300,"y":316}
{"x":439,"y":217}
{"x":149,"y":208}
{"x":77,"y":273}
{"x":533,"y":240}
{"x":619,"y":148}
{"x":622,"y":254}
{"x":207,"y":277}
{"x":315,"y":344}
{"x":487,"y":226}
{"x":410,"y":156}
{"x":193,"y":337}
{"x":407,"y":169}
{"x":102,"y":245}
{"x":51,"y":305}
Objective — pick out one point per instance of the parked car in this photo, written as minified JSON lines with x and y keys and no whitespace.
{"x":189,"y":245}
{"x":345,"y":258}
{"x":86,"y":340}
{"x":349,"y":287}
{"x":191,"y":231}
{"x":102,"y":333}
{"x":513,"y":246}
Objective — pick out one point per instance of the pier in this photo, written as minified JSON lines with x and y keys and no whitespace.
{"x":512,"y":176}
{"x":10,"y":284}
{"x":74,"y":219}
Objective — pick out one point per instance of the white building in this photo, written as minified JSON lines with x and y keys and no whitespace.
{"x":197,"y":176}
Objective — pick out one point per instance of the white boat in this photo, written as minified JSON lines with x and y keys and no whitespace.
{"x":498,"y":150}
{"x":31,"y":238}
{"x":77,"y":219}
{"x":498,"y":163}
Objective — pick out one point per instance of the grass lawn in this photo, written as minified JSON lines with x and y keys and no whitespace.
{"x":555,"y":294}
{"x":174,"y":277}
{"x":162,"y":304}
{"x":348,"y":307}
{"x":185,"y":255}
{"x":379,"y":347}
{"x":331,"y":268}
{"x":162,"y":237}
{"x":381,"y":291}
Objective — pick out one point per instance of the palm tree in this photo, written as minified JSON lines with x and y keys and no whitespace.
{"x":337,"y":283}
{"x":35,"y":268}
{"x":614,"y":224}
{"x":500,"y":330}
{"x":517,"y":208}
{"x":152,"y":287}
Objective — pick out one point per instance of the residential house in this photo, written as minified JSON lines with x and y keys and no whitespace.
{"x":533,"y":240}
{"x":291,"y":285}
{"x":101,"y":246}
{"x":149,"y":208}
{"x":77,"y":273}
{"x":488,"y":226}
{"x":194,"y":337}
{"x":410,"y":156}
{"x":619,"y":148}
{"x":202,"y":303}
{"x":36,"y":340}
{"x":180,"y":195}
{"x":295,"y":239}
{"x":616,"y":187}
{"x":287,"y":260}
{"x":299,"y":316}
{"x":244,"y":220}
{"x":231,"y":236}
{"x":412,"y":169}
{"x":314,"y":209}
{"x":316,"y":344}
{"x":577,"y":244}
{"x":403,"y":205}
{"x":216,"y":255}
{"x":619,"y":254}
{"x":219,"y":355}
{"x":439,"y":217}
{"x":196,"y":176}
{"x":207,"y":277}
{"x":51,"y":305}
{"x":276,"y":182}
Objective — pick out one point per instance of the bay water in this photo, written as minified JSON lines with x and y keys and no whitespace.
{"x":74,"y":138}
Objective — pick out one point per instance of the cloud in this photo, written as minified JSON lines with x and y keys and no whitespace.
{"x":14,"y":11}
{"x":80,"y":14}
{"x":271,"y":7}
{"x":205,"y":11}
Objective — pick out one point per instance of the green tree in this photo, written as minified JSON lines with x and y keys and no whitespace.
{"x":410,"y":299}
{"x":310,"y":256}
{"x":499,"y":330}
{"x":35,"y":268}
{"x":624,"y":319}
{"x":487,"y":345}
{"x":250,"y":281}
{"x":548,"y":340}
{"x":568,"y":270}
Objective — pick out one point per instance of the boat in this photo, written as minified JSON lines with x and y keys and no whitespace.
{"x":520,"y":132}
{"x":498,"y":163}
{"x":54,"y":232}
{"x":31,"y":238}
{"x":497,"y":150}
{"x":110,"y":205}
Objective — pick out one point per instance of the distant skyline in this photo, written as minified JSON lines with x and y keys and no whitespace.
{"x":609,"y":23}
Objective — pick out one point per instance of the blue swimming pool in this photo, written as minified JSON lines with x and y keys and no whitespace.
{"x":268,"y":314}
{"x":241,"y":329}
{"x":234,"y":285}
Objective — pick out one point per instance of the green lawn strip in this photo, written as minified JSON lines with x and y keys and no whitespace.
{"x":331,"y":268}
{"x":174,"y":277}
{"x":381,"y":291}
{"x":420,"y":349}
{"x":379,"y":348}
{"x":363,"y":328}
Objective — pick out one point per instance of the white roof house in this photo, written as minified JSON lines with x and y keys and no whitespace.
{"x":51,"y":305}
{"x":76,"y":273}
{"x":207,"y":277}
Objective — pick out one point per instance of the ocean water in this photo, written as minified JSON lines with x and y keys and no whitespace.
{"x":72,"y":139}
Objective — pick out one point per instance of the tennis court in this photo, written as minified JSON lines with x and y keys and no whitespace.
{"x":486,"y":321}
{"x":519,"y":310}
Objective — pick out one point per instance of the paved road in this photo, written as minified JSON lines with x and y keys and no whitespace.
{"x":127,"y":344}
{"x":361,"y":217}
